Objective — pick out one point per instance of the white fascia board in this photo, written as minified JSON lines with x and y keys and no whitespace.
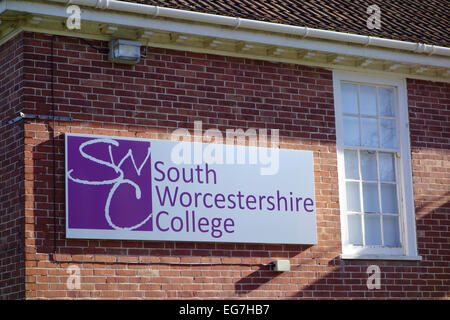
{"x":3,"y":6}
{"x":174,"y":46}
{"x":139,"y":21}
{"x":10,"y":34}
{"x":256,"y":25}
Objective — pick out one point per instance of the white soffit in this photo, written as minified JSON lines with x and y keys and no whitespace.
{"x":160,"y":32}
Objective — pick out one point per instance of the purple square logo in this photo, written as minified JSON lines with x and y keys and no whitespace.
{"x":108,"y":183}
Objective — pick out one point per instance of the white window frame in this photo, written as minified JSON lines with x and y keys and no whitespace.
{"x":408,"y":249}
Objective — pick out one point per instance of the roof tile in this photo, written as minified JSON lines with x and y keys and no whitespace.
{"x":424,"y":21}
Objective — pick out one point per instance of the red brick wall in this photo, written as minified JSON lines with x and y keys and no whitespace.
{"x":429,"y":114}
{"x":11,"y":171}
{"x":172,"y":89}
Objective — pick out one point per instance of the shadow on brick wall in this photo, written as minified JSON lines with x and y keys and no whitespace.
{"x":425,"y":279}
{"x":242,"y":268}
{"x":245,"y":267}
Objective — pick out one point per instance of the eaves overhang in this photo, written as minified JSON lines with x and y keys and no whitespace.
{"x":199,"y":32}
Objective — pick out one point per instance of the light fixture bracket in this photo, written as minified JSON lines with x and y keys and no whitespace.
{"x":124,"y":51}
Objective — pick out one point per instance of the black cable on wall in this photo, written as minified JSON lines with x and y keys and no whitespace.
{"x":52,"y":93}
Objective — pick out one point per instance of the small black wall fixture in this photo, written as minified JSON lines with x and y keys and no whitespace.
{"x":38,"y":117}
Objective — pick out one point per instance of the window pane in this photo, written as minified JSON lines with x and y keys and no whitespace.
{"x":370,"y":128}
{"x":368,"y":100}
{"x":391,"y":231}
{"x":386,"y":102}
{"x":351,"y":164}
{"x":369,"y":165}
{"x":350,"y":98}
{"x":353,"y":199}
{"x":372,"y":230}
{"x":351,"y":131}
{"x":389,"y":198}
{"x":388,"y":135}
{"x":354,"y":229}
{"x":370,"y":197}
{"x":387,"y":166}
{"x":369,"y":132}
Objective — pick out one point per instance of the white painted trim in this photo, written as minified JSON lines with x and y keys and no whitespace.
{"x":305,"y":62}
{"x":3,"y":6}
{"x":407,"y":212}
{"x":379,"y":257}
{"x":11,"y":34}
{"x":259,"y":25}
{"x":280,"y":37}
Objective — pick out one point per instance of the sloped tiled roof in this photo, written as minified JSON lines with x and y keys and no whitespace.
{"x":424,"y":21}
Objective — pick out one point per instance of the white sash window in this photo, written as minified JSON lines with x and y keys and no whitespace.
{"x":375,"y":183}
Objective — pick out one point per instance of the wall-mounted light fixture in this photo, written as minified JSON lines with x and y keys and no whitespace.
{"x":281,"y":265}
{"x":124,"y":51}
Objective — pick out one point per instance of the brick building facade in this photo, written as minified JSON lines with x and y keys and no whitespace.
{"x":170,"y":89}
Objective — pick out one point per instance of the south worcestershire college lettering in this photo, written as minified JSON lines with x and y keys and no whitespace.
{"x":239,"y":201}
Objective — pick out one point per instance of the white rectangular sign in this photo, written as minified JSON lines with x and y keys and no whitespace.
{"x":123,"y":188}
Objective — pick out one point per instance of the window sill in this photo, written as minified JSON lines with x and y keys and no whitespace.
{"x":379,"y":257}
